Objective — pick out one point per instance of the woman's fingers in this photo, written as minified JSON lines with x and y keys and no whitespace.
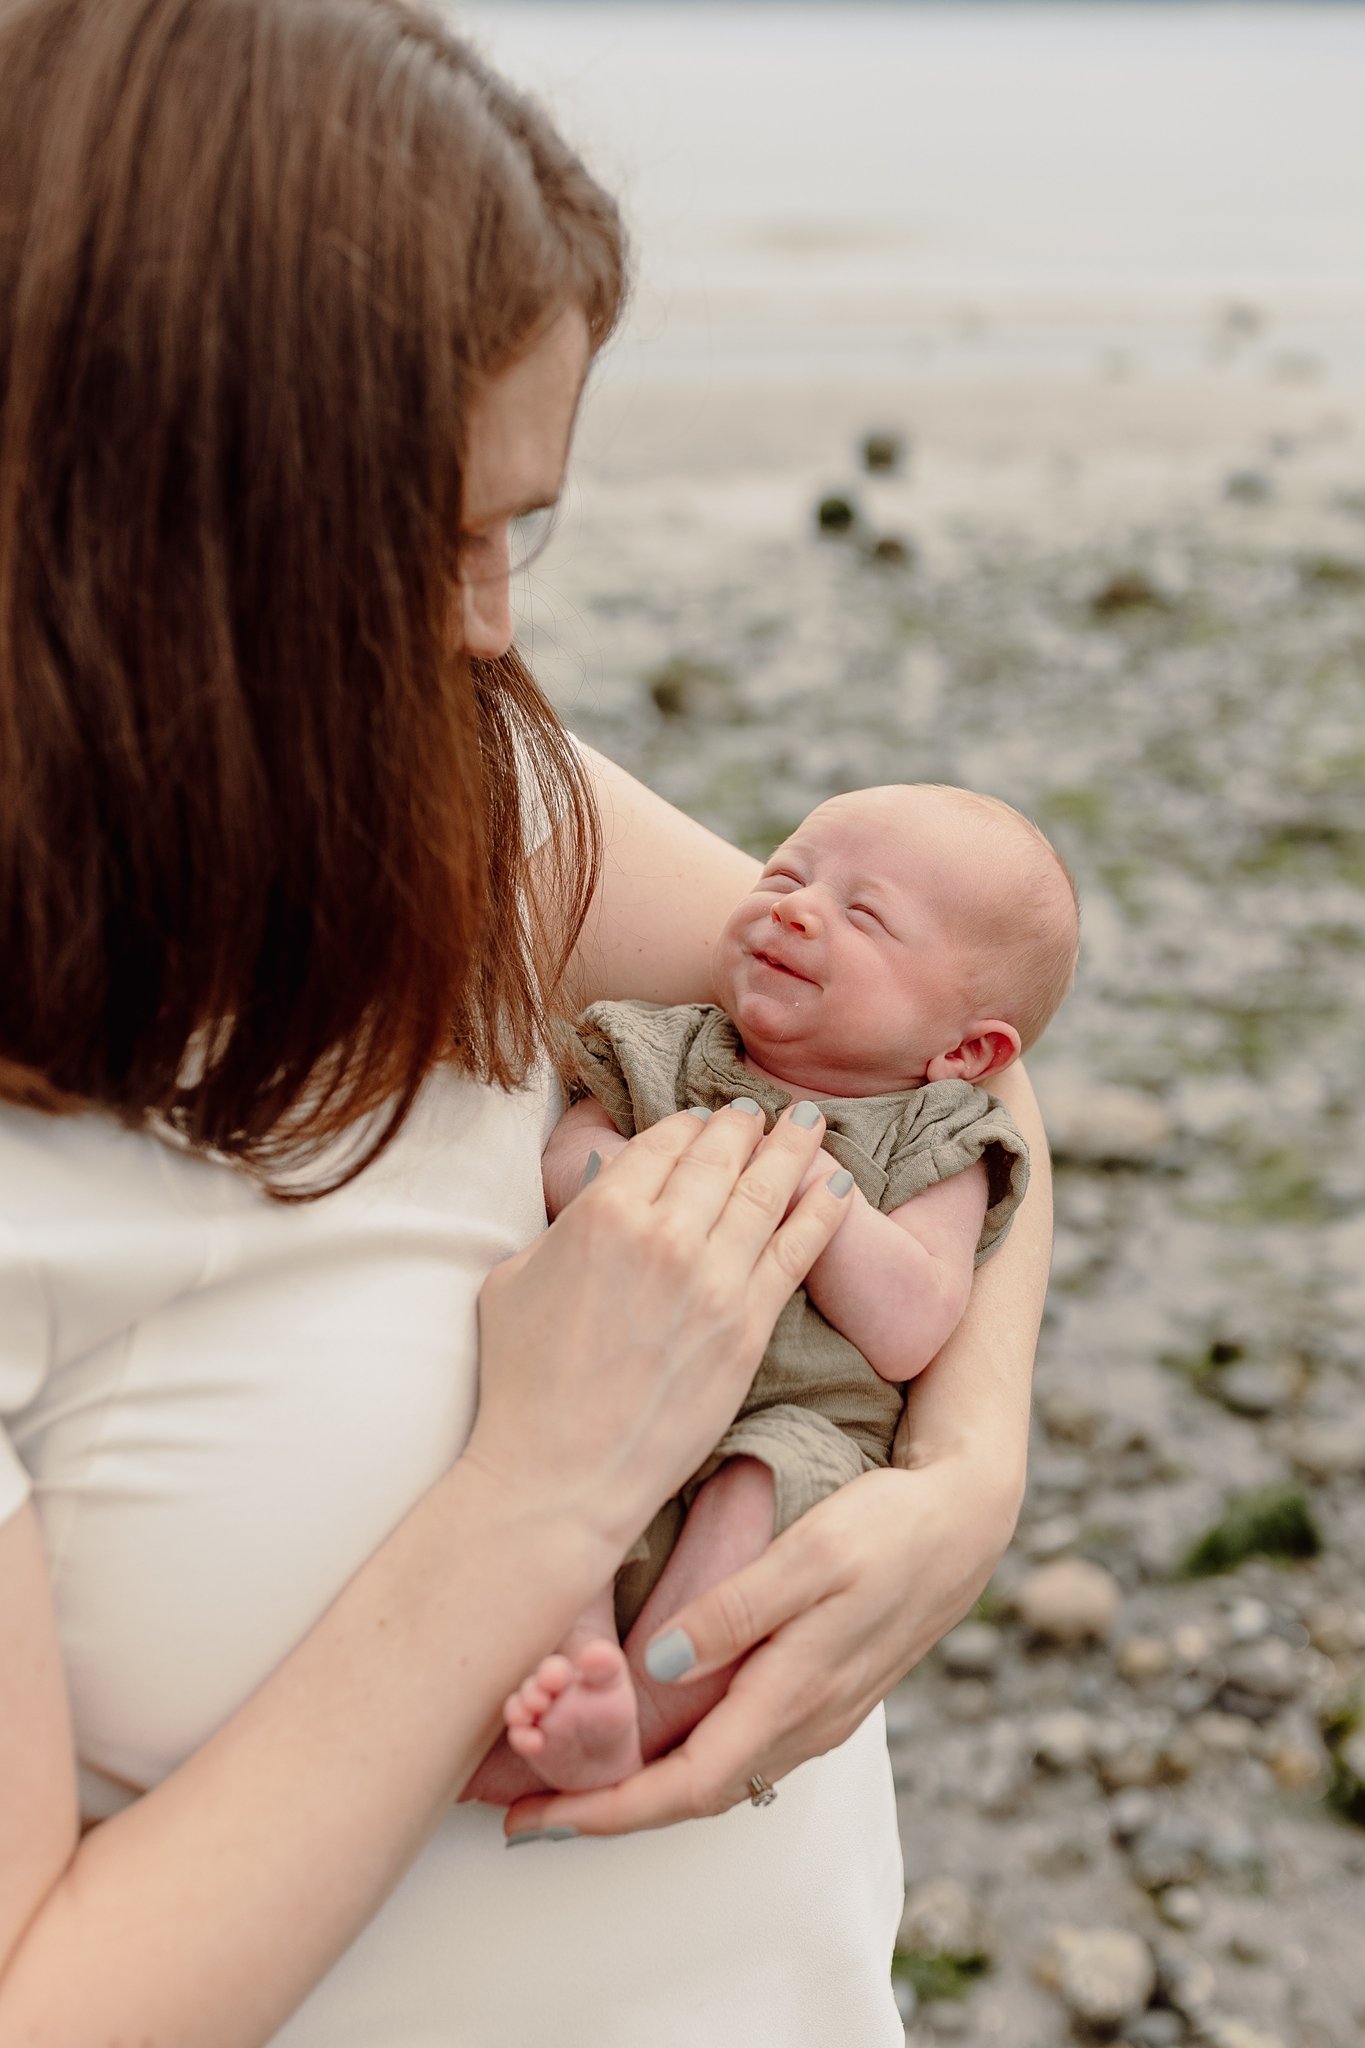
{"x":647,"y":1164}
{"x":784,"y":1256}
{"x":734,"y":1616}
{"x":757,"y":1727}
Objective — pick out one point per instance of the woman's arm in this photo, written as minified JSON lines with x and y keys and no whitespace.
{"x":851,"y":1596}
{"x":207,"y":1910}
{"x":666,"y":888}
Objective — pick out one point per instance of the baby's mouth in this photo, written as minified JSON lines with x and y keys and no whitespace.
{"x":781,"y":967}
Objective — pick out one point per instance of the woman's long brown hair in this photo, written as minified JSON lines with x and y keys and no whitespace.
{"x":263,"y":839}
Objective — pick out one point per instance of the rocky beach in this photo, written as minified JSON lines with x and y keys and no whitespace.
{"x":1132,"y":1786}
{"x":1100,"y":550}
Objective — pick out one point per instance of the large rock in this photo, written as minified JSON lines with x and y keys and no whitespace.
{"x":1095,"y":1125}
{"x":971,"y":1650}
{"x":1255,"y":1388}
{"x":1103,"y":1975}
{"x":941,"y":1918}
{"x":1329,"y":1450}
{"x":1069,"y":1601}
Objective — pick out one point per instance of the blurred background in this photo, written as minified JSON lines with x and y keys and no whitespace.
{"x":992,"y":410}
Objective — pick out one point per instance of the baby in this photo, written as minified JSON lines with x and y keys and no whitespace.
{"x":900,"y":948}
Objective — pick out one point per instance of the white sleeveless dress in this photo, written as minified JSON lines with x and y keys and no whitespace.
{"x":222,"y":1406}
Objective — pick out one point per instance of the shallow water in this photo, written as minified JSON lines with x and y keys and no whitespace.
{"x":820,"y":189}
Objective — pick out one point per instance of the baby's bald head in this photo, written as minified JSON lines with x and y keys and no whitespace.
{"x":1005,"y":892}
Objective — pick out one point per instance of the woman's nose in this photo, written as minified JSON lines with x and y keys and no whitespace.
{"x":796,"y":913}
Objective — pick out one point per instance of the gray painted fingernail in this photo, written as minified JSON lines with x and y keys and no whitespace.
{"x":839,"y":1183}
{"x":806,"y":1115}
{"x":590,"y":1171}
{"x":699,"y":1109}
{"x":671,"y":1655}
{"x":542,"y":1835}
{"x":746,"y":1103}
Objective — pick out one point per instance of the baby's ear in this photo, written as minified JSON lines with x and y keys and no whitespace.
{"x":989,"y":1048}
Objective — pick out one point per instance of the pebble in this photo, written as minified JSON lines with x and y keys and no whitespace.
{"x":1168,"y":1853}
{"x":1249,"y":1620}
{"x":1351,"y":1753}
{"x":1143,"y":1658}
{"x":941,"y":1918}
{"x":1181,"y":1906}
{"x":1191,"y":1645}
{"x":1223,"y":1734}
{"x":1051,"y":1536}
{"x":1063,"y":1741}
{"x":973,"y":1700}
{"x":1069,"y":1418}
{"x":1137,"y":1766}
{"x":1248,"y":487}
{"x":1232,"y":1851}
{"x":883,"y":449}
{"x":1335,"y":1629}
{"x":1299,"y":1764}
{"x":1131,"y":1812}
{"x":971,"y":1650}
{"x":1267,"y":1670}
{"x":945,"y":2019}
{"x":1187,"y":1979}
{"x":1158,"y":2028}
{"x":1104,"y":1975}
{"x":1221,"y":2030}
{"x":835,"y":514}
{"x":1253,"y":1389}
{"x":1002,"y":1770}
{"x":1326,"y":1451}
{"x":1068,"y":1473}
{"x":1069,"y":1601}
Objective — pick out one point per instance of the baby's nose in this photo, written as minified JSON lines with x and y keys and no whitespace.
{"x":795,"y":914}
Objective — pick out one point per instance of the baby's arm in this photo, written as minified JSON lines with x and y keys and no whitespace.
{"x":896,"y":1285}
{"x":584,"y":1128}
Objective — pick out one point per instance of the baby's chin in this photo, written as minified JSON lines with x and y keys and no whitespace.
{"x":760,"y":1018}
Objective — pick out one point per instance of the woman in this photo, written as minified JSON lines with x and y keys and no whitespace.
{"x":295,"y":868}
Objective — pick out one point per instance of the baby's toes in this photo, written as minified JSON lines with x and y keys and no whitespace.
{"x":527,"y":1741}
{"x":554,"y":1675}
{"x":515,"y":1711}
{"x":601,"y":1664}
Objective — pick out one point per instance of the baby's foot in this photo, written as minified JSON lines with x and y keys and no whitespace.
{"x":577,"y":1723}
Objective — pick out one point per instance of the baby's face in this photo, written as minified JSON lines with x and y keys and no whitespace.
{"x":841,"y":967}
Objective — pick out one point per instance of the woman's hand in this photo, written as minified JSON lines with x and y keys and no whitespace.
{"x":848,"y":1599}
{"x":841,"y":1606}
{"x":618,"y":1346}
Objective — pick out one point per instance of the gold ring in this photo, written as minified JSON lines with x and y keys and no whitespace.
{"x":761,"y":1793}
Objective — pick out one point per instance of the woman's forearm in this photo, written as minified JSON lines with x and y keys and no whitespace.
{"x":975,"y":1395}
{"x":208,"y":1910}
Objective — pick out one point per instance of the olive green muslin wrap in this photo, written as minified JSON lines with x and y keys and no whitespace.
{"x":816,"y":1413}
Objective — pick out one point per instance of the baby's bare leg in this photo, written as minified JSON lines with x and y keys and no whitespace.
{"x":575,"y":1720}
{"x":729,"y":1524}
{"x":584,"y":1718}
